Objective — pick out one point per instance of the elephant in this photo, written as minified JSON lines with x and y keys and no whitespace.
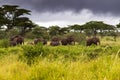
{"x":55,"y":41}
{"x":68,"y":41}
{"x":18,"y":39}
{"x":13,"y":43}
{"x":37,"y":40}
{"x":44,"y":41}
{"x":64,"y":41}
{"x":93,"y":40}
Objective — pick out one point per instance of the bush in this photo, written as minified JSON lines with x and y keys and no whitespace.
{"x":4,"y":43}
{"x":12,"y":32}
{"x":32,"y":51}
{"x":80,"y":38}
{"x":30,"y":35}
{"x":2,"y":34}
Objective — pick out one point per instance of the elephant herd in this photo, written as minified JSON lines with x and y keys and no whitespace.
{"x":19,"y":40}
{"x":64,"y":41}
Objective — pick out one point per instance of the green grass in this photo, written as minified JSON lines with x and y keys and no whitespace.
{"x":102,"y":68}
{"x":76,"y":62}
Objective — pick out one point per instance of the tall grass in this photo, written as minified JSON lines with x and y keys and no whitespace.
{"x":76,"y":62}
{"x":102,"y":68}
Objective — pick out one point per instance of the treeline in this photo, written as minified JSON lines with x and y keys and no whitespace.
{"x":13,"y":21}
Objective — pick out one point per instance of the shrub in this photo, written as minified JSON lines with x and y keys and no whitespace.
{"x":12,"y":32}
{"x":29,"y":35}
{"x":80,"y":38}
{"x":32,"y":51}
{"x":2,"y":34}
{"x":4,"y":43}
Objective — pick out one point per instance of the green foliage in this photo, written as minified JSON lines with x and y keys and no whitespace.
{"x":76,"y":28}
{"x":12,"y":32}
{"x":109,"y":39}
{"x":118,"y":25}
{"x":4,"y":43}
{"x":32,"y":51}
{"x":3,"y":51}
{"x":92,"y":27}
{"x":72,"y":62}
{"x":52,"y":70}
{"x":15,"y":50}
{"x":30,"y":35}
{"x":11,"y":17}
{"x":104,"y":67}
{"x":39,"y":31}
{"x":54,"y":30}
{"x":2,"y":34}
{"x":80,"y":38}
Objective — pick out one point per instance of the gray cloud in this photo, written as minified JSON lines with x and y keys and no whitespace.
{"x":101,"y":6}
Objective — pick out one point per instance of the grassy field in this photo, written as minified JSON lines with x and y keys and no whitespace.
{"x":75,"y":62}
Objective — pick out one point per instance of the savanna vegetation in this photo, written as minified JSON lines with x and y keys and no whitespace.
{"x":72,"y":62}
{"x":63,"y":62}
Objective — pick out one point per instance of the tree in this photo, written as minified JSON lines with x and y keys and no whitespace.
{"x":94,"y":26}
{"x":118,"y":26}
{"x":40,"y":32}
{"x":24,"y":25}
{"x":10,"y":15}
{"x":63,"y":30}
{"x":76,"y":28}
{"x":54,"y":30}
{"x":2,"y":19}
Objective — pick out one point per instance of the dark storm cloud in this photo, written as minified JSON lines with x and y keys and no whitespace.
{"x":102,"y":6}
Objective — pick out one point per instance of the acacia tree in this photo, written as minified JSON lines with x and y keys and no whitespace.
{"x":118,"y":26}
{"x":76,"y":28}
{"x":94,"y":26}
{"x":54,"y":30}
{"x":40,"y":32}
{"x":64,"y":30}
{"x":24,"y":25}
{"x":2,"y":19}
{"x":11,"y":14}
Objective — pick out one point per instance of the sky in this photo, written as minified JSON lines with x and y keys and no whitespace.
{"x":68,"y":12}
